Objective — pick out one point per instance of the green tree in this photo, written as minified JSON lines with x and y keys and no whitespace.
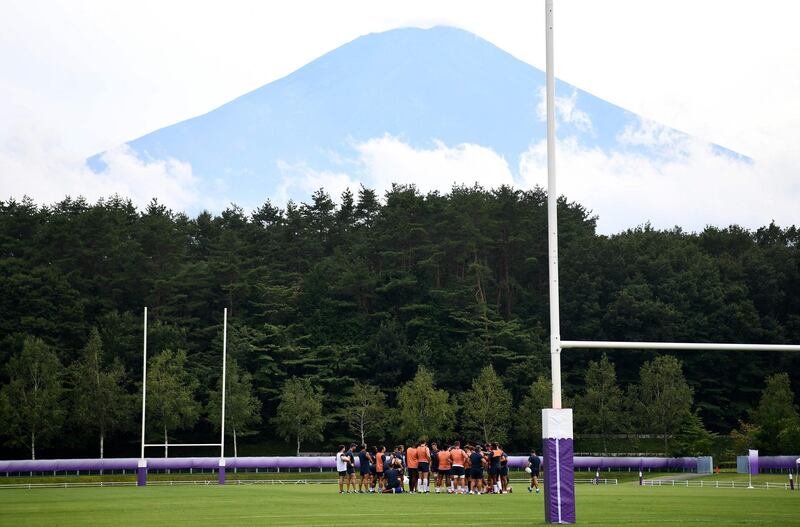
{"x":299,"y":413}
{"x":171,"y":403}
{"x":487,"y":407}
{"x":242,"y":407}
{"x":744,"y":437}
{"x":663,"y":398}
{"x":528,"y":417}
{"x":775,"y":411}
{"x":31,"y":401}
{"x":365,"y":411}
{"x":693,"y":439}
{"x":424,"y":412}
{"x":100,"y":403}
{"x":600,"y":409}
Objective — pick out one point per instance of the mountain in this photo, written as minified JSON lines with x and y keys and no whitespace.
{"x":424,"y":87}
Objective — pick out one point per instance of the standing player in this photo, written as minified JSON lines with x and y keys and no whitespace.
{"x":342,"y":460}
{"x":351,"y":468}
{"x":476,"y":460}
{"x":435,"y":464}
{"x":495,"y":456}
{"x":424,"y":467}
{"x":444,"y":464}
{"x":364,"y":462}
{"x":458,"y":458}
{"x":380,"y":459}
{"x":412,"y":464}
{"x":503,"y":470}
{"x":534,"y":463}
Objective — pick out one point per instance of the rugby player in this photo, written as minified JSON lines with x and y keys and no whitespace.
{"x":424,"y":467}
{"x":476,"y":461}
{"x":443,"y":474}
{"x":342,"y":460}
{"x":412,"y":464}
{"x":534,"y":463}
{"x":458,"y":459}
{"x":364,"y":462}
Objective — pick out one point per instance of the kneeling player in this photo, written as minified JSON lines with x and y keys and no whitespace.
{"x":393,"y":485}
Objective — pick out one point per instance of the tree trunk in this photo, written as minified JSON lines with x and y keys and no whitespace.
{"x":235,"y":448}
{"x":361,"y":429}
{"x":33,"y":445}
{"x":101,"y":445}
{"x":166,"y":443}
{"x":298,"y":445}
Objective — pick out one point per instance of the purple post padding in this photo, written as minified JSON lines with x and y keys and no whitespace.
{"x":222,"y":472}
{"x":141,"y":473}
{"x":559,"y":484}
{"x":752,"y":456}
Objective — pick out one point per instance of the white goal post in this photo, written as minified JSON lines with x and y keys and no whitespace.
{"x":221,"y":443}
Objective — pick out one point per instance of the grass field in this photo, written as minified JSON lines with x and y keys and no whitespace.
{"x":307,"y":505}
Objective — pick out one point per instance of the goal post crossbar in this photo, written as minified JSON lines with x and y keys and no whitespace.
{"x":693,"y":346}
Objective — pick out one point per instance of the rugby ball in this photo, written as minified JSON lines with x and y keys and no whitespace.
{"x":528,"y":470}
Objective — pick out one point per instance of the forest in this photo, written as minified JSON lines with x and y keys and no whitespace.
{"x":384,"y":319}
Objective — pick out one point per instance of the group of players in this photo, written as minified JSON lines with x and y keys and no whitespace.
{"x":474,"y":469}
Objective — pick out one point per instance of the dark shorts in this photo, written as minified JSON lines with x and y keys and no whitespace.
{"x":413,"y":472}
{"x":351,"y":469}
{"x":379,"y":474}
{"x":476,"y":473}
{"x":424,"y":467}
{"x":457,"y":471}
{"x":494,"y":471}
{"x":342,"y":473}
{"x":364,"y":471}
{"x":504,"y":471}
{"x":444,"y":471}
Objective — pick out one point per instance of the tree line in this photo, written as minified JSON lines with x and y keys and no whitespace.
{"x":342,"y":307}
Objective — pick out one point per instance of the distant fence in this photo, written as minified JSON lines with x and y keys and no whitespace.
{"x":678,"y":464}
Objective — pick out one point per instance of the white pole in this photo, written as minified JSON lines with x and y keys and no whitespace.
{"x":224,"y":364}
{"x":144,"y":377}
{"x":552,"y":214}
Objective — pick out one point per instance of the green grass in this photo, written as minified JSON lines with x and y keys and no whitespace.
{"x":295,"y":505}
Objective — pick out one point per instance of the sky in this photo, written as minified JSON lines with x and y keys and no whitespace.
{"x":80,"y":77}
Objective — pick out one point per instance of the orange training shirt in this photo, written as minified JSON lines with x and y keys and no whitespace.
{"x":412,"y":458}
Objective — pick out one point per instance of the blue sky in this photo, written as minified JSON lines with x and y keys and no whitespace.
{"x":85,"y":76}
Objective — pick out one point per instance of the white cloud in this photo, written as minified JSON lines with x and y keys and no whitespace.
{"x":382,"y":161}
{"x":688,"y":183}
{"x":566,"y":111}
{"x":299,"y":178}
{"x":34,"y":163}
{"x":386,"y":160}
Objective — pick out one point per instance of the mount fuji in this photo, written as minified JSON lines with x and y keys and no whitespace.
{"x":349,"y":117}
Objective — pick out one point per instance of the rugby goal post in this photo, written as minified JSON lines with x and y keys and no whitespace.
{"x":142,"y":465}
{"x":557,"y":429}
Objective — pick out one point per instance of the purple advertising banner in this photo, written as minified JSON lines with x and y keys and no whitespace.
{"x":316,"y":462}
